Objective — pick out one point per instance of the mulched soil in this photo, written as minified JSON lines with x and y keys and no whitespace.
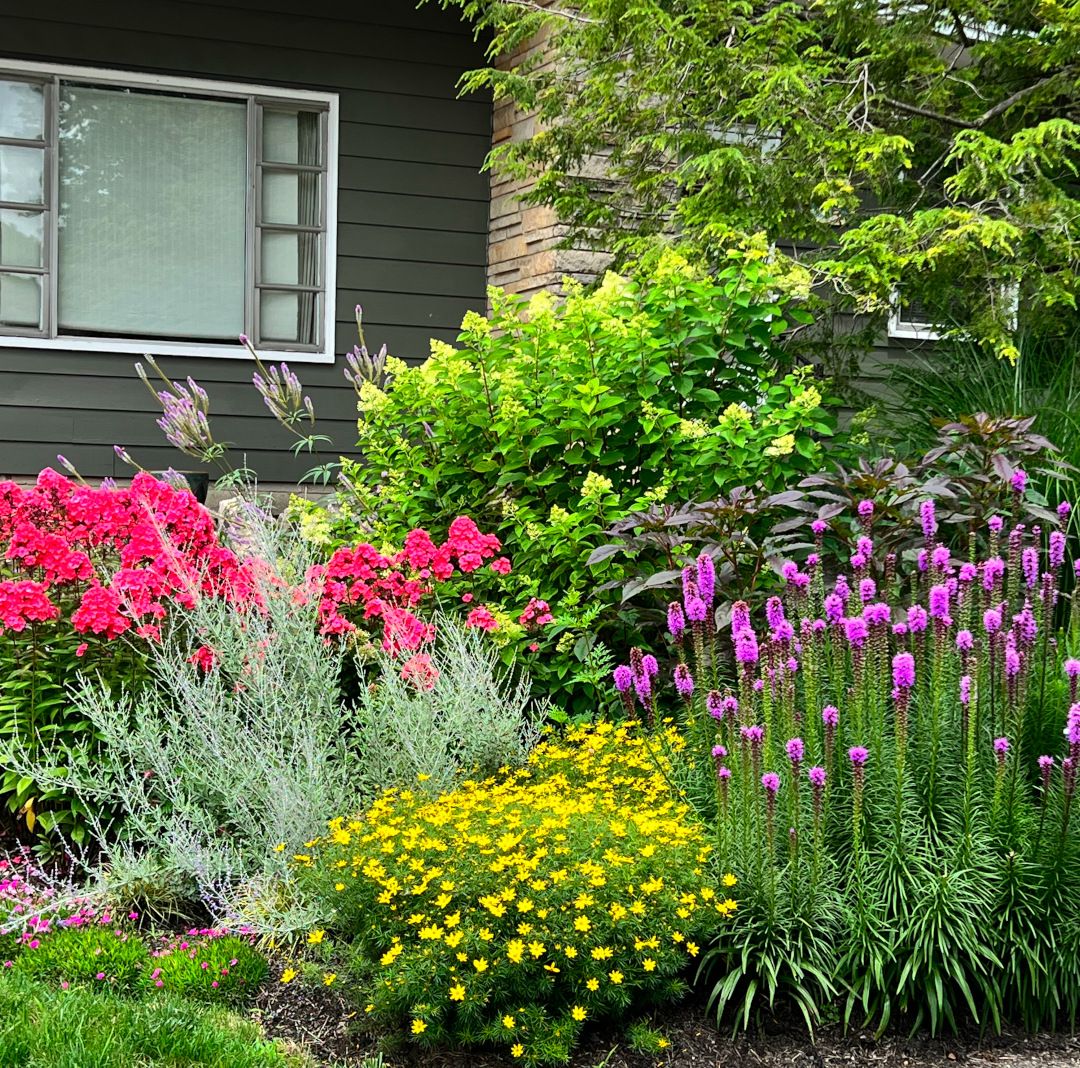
{"x":322,"y":1021}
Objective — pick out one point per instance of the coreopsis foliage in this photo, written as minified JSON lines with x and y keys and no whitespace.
{"x":890,"y":758}
{"x":931,"y":146}
{"x":512,"y":910}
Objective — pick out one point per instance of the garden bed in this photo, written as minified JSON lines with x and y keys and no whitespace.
{"x":324,"y":1022}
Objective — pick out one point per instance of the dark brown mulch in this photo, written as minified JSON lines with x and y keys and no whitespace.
{"x":321,"y":1020}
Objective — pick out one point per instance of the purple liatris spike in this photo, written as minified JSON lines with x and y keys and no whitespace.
{"x":923,"y":559}
{"x":819,"y":526}
{"x":916,"y":618}
{"x":714,"y":704}
{"x":624,"y":678}
{"x":830,"y":716}
{"x":995,"y":523}
{"x":1012,"y":662}
{"x":730,"y":706}
{"x":857,"y":561}
{"x":789,"y":570}
{"x":689,"y":582}
{"x":965,"y":689}
{"x":1063,"y":510}
{"x":1069,"y":769}
{"x":856,"y":631}
{"x":903,"y":670}
{"x":1046,"y":769}
{"x":774,"y":611}
{"x":817,"y":777}
{"x":1030,"y":560}
{"x":866,"y":508}
{"x":1025,"y":625}
{"x":746,"y":647}
{"x":783,"y":632}
{"x":696,"y":609}
{"x":706,"y":578}
{"x":684,"y":682}
{"x":928,"y":519}
{"x":834,"y":608}
{"x":877,"y":614}
{"x":992,"y":620}
{"x":752,"y":734}
{"x":740,"y":617}
{"x":1001,"y":749}
{"x":1057,"y":549}
{"x":842,"y":589}
{"x":965,"y":641}
{"x":968,"y":571}
{"x":796,"y":752}
{"x":676,"y":622}
{"x":719,"y":751}
{"x":1019,"y":480}
{"x":993,"y":569}
{"x":867,"y":590}
{"x":940,"y":557}
{"x":939,"y":602}
{"x":649,"y":665}
{"x":858,"y":755}
{"x":771,"y":781}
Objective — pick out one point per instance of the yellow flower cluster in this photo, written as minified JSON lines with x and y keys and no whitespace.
{"x":544,"y":895}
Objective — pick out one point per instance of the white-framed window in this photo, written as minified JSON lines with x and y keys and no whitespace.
{"x":910,"y":318}
{"x":142,"y":212}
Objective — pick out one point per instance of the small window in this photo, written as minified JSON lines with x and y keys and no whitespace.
{"x":910,"y":317}
{"x":149,"y":210}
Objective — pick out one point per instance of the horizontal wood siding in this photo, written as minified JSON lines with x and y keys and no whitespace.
{"x":412,"y":210}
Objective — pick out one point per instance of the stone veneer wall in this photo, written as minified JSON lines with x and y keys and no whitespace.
{"x":522,"y":253}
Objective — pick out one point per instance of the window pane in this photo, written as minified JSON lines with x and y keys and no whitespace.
{"x":292,"y":197}
{"x":22,"y":174}
{"x":22,"y":110}
{"x":290,"y":317}
{"x":291,"y":259}
{"x":292,"y":137}
{"x":20,"y":300}
{"x":152,"y":214}
{"x":22,"y":238}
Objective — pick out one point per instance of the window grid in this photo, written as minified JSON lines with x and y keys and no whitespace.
{"x":254,"y":286}
{"x":43,"y":271}
{"x":316,"y":289}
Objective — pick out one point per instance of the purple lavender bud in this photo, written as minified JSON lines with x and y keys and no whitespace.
{"x":830,"y":715}
{"x":817,"y":777}
{"x":858,"y":755}
{"x":866,"y":509}
{"x":834,"y":608}
{"x":795,"y":751}
{"x":1057,"y":549}
{"x":939,"y":602}
{"x":867,"y":590}
{"x":928,"y":519}
{"x":684,"y":681}
{"x":965,"y":641}
{"x":916,"y":618}
{"x":676,"y":621}
{"x":855,"y":631}
{"x":706,"y":578}
{"x":1019,"y":480}
{"x":965,"y":689}
{"x":968,"y":572}
{"x":992,"y":620}
{"x":774,"y":611}
{"x":903,"y":666}
{"x":1031,"y":566}
{"x":624,"y":678}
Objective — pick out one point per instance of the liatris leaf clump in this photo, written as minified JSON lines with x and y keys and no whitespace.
{"x":890,"y":763}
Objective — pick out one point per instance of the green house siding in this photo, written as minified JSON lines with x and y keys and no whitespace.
{"x":412,"y":209}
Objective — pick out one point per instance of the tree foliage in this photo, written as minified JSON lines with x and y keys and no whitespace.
{"x":879,"y":142}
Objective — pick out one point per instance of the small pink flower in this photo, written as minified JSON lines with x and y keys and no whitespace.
{"x":214,"y":983}
{"x":534,"y":647}
{"x":80,"y":651}
{"x":467,"y":597}
{"x":501,"y":566}
{"x":100,"y":975}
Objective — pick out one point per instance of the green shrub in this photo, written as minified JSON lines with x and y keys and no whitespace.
{"x":511,"y":910}
{"x":42,"y":1027}
{"x":207,"y":967}
{"x":551,"y":420}
{"x":94,"y":953}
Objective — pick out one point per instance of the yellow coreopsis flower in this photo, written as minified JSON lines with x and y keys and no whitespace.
{"x":457,"y":993}
{"x":578,"y":1013}
{"x":517,"y":1050}
{"x":288,"y":975}
{"x":508,"y":1022}
{"x":615,"y":977}
{"x":418,"y":1027}
{"x":315,"y":937}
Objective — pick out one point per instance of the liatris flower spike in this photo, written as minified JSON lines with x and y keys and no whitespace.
{"x":676,"y":622}
{"x":858,"y":756}
{"x":684,"y":682}
{"x":1001,"y":749}
{"x":795,"y":751}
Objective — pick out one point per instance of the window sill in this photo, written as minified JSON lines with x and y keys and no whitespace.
{"x":121,"y":346}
